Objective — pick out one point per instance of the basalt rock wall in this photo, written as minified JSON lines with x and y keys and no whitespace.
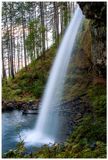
{"x":96,"y":13}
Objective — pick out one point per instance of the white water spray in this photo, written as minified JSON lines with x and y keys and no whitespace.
{"x":47,"y":125}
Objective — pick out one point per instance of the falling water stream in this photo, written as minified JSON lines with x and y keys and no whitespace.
{"x":48,"y":123}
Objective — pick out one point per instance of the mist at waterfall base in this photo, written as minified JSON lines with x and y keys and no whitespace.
{"x":48,"y":126}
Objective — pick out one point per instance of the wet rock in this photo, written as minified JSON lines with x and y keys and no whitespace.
{"x":12,"y":105}
{"x":34,"y":107}
{"x":78,"y":116}
{"x":9,"y":106}
{"x":94,"y":10}
{"x":29,"y":112}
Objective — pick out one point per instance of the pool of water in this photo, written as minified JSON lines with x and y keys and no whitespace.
{"x":12,"y":124}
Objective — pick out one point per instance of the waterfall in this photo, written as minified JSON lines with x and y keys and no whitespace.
{"x":48,"y":123}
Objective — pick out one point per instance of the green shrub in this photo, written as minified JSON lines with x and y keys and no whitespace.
{"x":99,"y":105}
{"x":18,"y":91}
{"x":17,"y":153}
{"x":37,"y":88}
{"x":25,"y":75}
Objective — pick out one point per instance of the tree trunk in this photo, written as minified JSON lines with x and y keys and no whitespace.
{"x":56,"y":22}
{"x":65,"y":16}
{"x":23,"y":27}
{"x":18,"y":55}
{"x":11,"y":42}
{"x":23,"y":30}
{"x":3,"y":66}
{"x":43,"y":31}
{"x":21,"y":47}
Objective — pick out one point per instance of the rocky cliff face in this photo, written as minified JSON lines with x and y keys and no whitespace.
{"x":96,"y":12}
